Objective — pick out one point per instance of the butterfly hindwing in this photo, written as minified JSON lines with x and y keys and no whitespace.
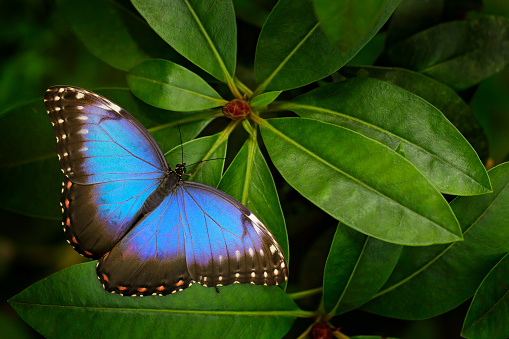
{"x":111,"y":164}
{"x":97,"y":216}
{"x":151,"y":259}
{"x":225,"y":242}
{"x":197,"y":234}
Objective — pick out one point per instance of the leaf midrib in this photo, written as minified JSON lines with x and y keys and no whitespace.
{"x":349,"y":176}
{"x":424,"y":267}
{"x":295,"y":313}
{"x":219,"y":100}
{"x":262,"y":87}
{"x":335,"y":113}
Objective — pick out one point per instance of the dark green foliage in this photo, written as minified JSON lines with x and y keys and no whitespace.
{"x":380,"y":168}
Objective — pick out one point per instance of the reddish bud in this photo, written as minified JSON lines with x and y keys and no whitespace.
{"x":321,"y":331}
{"x":237,"y":109}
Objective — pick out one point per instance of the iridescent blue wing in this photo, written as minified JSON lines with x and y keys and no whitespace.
{"x":197,"y":234}
{"x":111,"y":164}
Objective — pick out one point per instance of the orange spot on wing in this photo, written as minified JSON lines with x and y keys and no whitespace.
{"x":88,"y":253}
{"x":105,"y":277}
{"x":66,"y":203}
{"x":142,"y":289}
{"x":180,"y":283}
{"x":106,"y":255}
{"x":74,"y":240}
{"x":160,"y":288}
{"x":122,"y":288}
{"x":68,"y":222}
{"x":69,"y":184}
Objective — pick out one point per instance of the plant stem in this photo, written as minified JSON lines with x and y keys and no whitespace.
{"x":243,"y":87}
{"x":304,"y":294}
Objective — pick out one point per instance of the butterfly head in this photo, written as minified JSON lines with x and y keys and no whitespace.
{"x":180,"y":169}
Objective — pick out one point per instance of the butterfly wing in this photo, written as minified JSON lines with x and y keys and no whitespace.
{"x":111,"y":164}
{"x":197,"y":234}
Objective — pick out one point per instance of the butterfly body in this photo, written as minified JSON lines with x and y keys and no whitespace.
{"x":153,"y":233}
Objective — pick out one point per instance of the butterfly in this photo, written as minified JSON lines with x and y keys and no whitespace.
{"x":152,"y":232}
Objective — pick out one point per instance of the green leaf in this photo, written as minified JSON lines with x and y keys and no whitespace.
{"x":29,"y":150}
{"x":347,"y":22}
{"x":292,"y":40}
{"x":436,"y":93}
{"x":391,"y":115}
{"x":401,"y":150}
{"x":211,"y":148}
{"x":248,"y":179}
{"x":29,"y":155}
{"x":202,"y":31}
{"x":429,"y":281}
{"x":413,"y":16}
{"x":250,"y":12}
{"x":489,"y":311}
{"x":166,"y":85}
{"x":52,"y":305}
{"x":264,"y":99}
{"x":356,"y":268}
{"x":114,"y":33}
{"x":359,"y":181}
{"x":459,"y":53}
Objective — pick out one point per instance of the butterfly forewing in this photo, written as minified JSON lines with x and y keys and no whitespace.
{"x":111,"y":165}
{"x":97,"y":141}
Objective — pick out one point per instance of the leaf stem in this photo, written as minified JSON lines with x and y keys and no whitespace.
{"x":222,"y":138}
{"x":304,"y":294}
{"x":243,"y":87}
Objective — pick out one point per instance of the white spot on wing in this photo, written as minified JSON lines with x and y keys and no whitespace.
{"x":82,"y":117}
{"x":237,"y":255}
{"x":115,"y":107}
{"x":272,"y":249}
{"x":83,"y":131}
{"x":251,"y":252}
{"x":80,"y":95}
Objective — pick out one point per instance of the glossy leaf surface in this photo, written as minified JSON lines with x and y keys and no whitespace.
{"x":391,"y":115}
{"x":489,"y":311}
{"x":202,"y":31}
{"x":443,"y":97}
{"x":458,"y":268}
{"x":114,"y":32}
{"x":458,"y":53}
{"x":52,"y":306}
{"x":166,"y":85}
{"x":264,"y":99}
{"x":344,"y":173}
{"x":292,"y":40}
{"x":347,"y":22}
{"x":356,"y":268}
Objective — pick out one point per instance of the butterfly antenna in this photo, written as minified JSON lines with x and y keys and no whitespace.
{"x":199,"y":164}
{"x":181,"y":143}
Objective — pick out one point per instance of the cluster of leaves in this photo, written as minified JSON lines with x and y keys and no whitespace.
{"x":373,"y":147}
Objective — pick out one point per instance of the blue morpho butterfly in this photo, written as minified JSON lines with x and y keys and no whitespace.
{"x":153,"y":233}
